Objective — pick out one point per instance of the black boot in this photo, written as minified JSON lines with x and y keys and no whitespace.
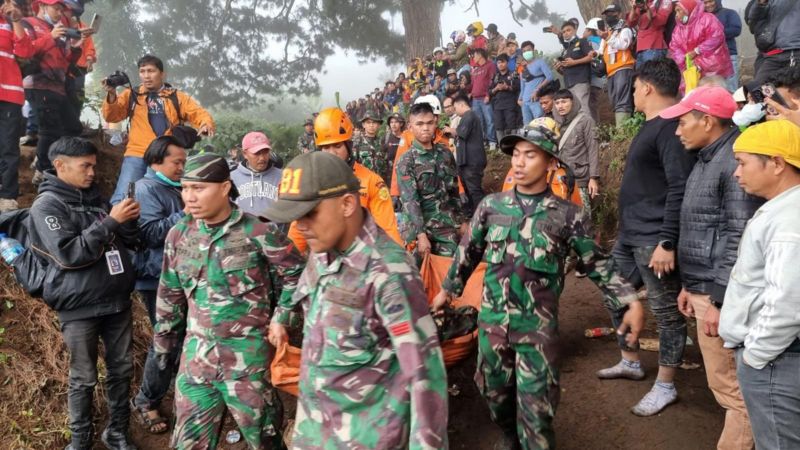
{"x":115,"y":440}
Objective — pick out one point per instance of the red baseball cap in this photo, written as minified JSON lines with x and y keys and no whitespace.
{"x":255,"y":141}
{"x":712,"y":100}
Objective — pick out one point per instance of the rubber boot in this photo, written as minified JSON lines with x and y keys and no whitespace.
{"x":621,"y":117}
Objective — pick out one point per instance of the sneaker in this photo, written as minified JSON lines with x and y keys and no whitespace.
{"x":29,"y":140}
{"x":38,"y":177}
{"x":115,"y":440}
{"x":492,"y":146}
{"x":621,"y":370}
{"x":8,"y":204}
{"x":580,"y":274}
{"x":655,"y":401}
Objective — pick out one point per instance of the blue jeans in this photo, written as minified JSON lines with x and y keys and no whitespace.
{"x":650,"y":55}
{"x":733,"y":80}
{"x":772,"y":396}
{"x":155,"y":382}
{"x":132,"y":170}
{"x":486,"y":116}
{"x":530,"y":111}
{"x":662,"y":296}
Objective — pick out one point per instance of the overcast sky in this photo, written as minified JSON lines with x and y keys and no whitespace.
{"x":352,"y":81}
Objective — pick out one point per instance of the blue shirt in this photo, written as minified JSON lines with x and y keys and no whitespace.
{"x":156,"y":115}
{"x":540,"y":71}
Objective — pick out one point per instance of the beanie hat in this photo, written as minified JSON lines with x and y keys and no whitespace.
{"x":771,"y":138}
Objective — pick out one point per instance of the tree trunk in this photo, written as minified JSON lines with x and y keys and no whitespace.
{"x":421,"y":20}
{"x":593,"y":8}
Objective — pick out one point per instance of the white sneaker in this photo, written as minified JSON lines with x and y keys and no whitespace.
{"x":655,"y":401}
{"x":8,"y":204}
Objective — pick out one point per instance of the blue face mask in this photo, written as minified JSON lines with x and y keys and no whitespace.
{"x":165,"y":179}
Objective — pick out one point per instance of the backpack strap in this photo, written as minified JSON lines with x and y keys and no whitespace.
{"x":173,"y":97}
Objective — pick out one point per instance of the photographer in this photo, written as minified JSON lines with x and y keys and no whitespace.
{"x":14,"y":42}
{"x":650,"y":18}
{"x":153,"y":108}
{"x":504,"y":93}
{"x":55,"y":47}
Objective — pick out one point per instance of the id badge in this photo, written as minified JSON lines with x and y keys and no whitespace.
{"x":114,"y":261}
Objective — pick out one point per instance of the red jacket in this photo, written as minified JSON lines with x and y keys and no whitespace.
{"x":56,"y":56}
{"x":12,"y":46}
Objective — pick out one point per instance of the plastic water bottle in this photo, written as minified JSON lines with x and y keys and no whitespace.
{"x":10,"y":248}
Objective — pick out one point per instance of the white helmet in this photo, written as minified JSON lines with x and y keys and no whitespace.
{"x":432,"y":100}
{"x":593,"y":24}
{"x":438,"y":49}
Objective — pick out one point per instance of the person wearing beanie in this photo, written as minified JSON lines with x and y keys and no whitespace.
{"x":700,"y":37}
{"x":214,"y":304}
{"x":714,"y":206}
{"x":759,"y":317}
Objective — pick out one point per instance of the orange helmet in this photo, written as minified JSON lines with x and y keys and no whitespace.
{"x":332,"y":126}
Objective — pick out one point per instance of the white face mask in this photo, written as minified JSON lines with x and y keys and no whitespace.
{"x":750,"y":113}
{"x":685,"y":19}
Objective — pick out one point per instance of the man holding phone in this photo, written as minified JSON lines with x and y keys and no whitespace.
{"x":153,"y":109}
{"x":650,"y":18}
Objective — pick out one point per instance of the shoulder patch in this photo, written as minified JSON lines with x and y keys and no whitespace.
{"x":52,"y":223}
{"x":383,"y":193}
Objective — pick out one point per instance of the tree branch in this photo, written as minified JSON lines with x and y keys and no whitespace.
{"x":513,"y":14}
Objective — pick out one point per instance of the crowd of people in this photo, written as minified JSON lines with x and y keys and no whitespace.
{"x":227,"y":255}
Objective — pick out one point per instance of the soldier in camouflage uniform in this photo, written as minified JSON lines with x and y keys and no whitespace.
{"x":428,"y":183}
{"x":367,"y":148}
{"x":305,"y":143}
{"x":525,"y":235}
{"x":221,"y":270}
{"x":372,"y":374}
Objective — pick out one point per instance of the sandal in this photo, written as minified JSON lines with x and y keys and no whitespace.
{"x":152,"y":424}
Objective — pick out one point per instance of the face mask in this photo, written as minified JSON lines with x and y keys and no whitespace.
{"x":750,"y":113}
{"x":527,"y":55}
{"x":48,"y":19}
{"x":165,"y":179}
{"x":612,"y":20}
{"x":685,"y":19}
{"x":570,"y":39}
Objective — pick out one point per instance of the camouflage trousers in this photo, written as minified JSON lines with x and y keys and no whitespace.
{"x":444,"y":241}
{"x":200,"y":407}
{"x":520,"y":387}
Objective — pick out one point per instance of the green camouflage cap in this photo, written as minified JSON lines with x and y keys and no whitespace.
{"x":209,"y":168}
{"x":372,"y":114}
{"x":538,"y":135}
{"x":307,"y":180}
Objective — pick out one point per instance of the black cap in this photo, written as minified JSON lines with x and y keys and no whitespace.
{"x":492,"y":27}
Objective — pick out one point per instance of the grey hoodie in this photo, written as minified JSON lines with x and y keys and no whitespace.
{"x":257,"y":190}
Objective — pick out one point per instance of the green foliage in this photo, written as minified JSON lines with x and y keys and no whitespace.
{"x":232,"y":127}
{"x":628,"y":130}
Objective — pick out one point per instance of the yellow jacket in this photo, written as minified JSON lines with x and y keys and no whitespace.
{"x":141,"y":135}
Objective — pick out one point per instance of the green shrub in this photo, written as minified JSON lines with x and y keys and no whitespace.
{"x":231,"y":128}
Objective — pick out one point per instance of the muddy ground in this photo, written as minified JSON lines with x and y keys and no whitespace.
{"x":593,"y":414}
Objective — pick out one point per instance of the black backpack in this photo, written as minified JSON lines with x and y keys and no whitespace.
{"x":173,"y":97}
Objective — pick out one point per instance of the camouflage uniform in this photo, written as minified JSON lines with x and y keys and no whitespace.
{"x":518,"y":336}
{"x":429,"y":192}
{"x":371,"y":154}
{"x":217,"y":286}
{"x":372,"y":374}
{"x":305,"y":143}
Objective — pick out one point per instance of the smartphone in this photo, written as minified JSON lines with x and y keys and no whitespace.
{"x":769,"y":90}
{"x":547,"y":29}
{"x":96,"y":21}
{"x":131,"y":191}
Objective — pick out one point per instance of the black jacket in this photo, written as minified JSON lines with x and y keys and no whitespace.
{"x":71,"y":230}
{"x":469,"y":142}
{"x":714,"y":213}
{"x":505,"y":99}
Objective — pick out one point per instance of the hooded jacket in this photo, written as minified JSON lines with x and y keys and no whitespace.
{"x":731,"y":23}
{"x":257,"y":190}
{"x":72,"y":232}
{"x":54,"y":55}
{"x":11,"y":47}
{"x":161,"y":208}
{"x":579,"y":149}
{"x":705,"y":33}
{"x":774,"y":25}
{"x":714,"y":213}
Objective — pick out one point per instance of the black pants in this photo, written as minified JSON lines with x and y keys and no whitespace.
{"x":506,"y":120}
{"x":472,"y":179}
{"x":766,"y":66}
{"x":10,"y":116}
{"x":57,"y":118}
{"x":81,"y":337}
{"x":155,"y":382}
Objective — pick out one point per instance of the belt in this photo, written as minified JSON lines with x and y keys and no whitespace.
{"x":778,"y":51}
{"x":6,"y":55}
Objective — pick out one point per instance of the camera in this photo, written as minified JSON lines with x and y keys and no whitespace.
{"x":118,"y":78}
{"x":73,"y":33}
{"x":640,"y":2}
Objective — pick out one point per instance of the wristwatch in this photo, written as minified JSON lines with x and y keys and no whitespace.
{"x":716,"y":303}
{"x":667,"y":245}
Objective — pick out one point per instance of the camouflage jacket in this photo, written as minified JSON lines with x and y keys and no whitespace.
{"x":428,"y":184}
{"x":217,"y":286}
{"x":305,"y":143}
{"x":371,"y":154}
{"x":372,"y":373}
{"x":525,"y":256}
